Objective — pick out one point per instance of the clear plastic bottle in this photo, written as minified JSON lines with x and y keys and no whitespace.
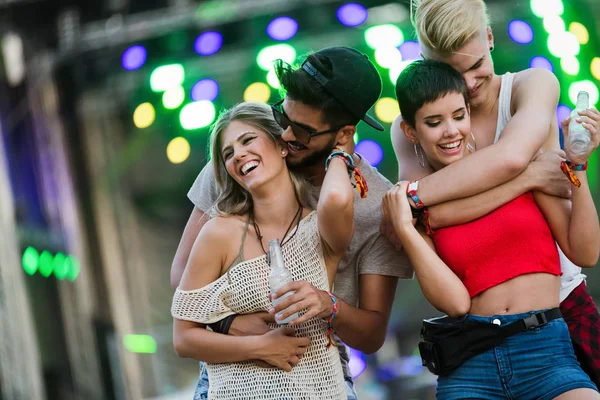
{"x":279,"y":276}
{"x":579,"y":138}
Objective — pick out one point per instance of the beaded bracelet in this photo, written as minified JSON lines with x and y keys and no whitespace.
{"x":334,"y":311}
{"x":361,"y":182}
{"x":411,"y":191}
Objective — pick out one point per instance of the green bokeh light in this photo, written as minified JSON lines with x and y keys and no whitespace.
{"x":388,"y":57}
{"x":272,"y":79}
{"x":563,"y":44}
{"x":59,"y":266}
{"x":173,"y":98}
{"x":387,"y":35}
{"x":46,"y":263}
{"x":586,"y":85}
{"x":543,"y":8}
{"x":30,"y":260}
{"x":73,"y":268}
{"x":268,"y":55}
{"x":167,"y":77}
{"x":570,"y":65}
{"x":554,"y":24}
{"x":139,"y":343}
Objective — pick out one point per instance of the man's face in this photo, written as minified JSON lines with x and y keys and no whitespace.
{"x":311,"y":119}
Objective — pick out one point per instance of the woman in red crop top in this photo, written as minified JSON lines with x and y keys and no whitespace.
{"x":503,"y":267}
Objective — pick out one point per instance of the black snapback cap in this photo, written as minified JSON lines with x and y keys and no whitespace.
{"x":354,"y":82}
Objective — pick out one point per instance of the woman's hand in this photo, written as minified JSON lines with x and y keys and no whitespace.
{"x":590,"y":119}
{"x":396,"y":208}
{"x":281,"y":348}
{"x":307,"y":297}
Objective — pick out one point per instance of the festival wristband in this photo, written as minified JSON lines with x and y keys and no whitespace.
{"x":577,"y":167}
{"x":411,"y":191}
{"x":334,"y":311}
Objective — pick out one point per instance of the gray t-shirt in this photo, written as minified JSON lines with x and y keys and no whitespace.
{"x":369,"y":252}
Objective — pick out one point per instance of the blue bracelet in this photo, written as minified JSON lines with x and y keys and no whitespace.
{"x":340,"y":153}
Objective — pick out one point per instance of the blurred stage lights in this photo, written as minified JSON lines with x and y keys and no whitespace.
{"x":410,"y":50}
{"x":396,"y":70}
{"x":167,"y":77}
{"x":387,"y":109}
{"x":196,"y":115}
{"x":144,"y":344}
{"x":257,"y":91}
{"x":543,"y":8}
{"x":268,"y":55}
{"x":562,"y":112}
{"x":541,"y":62}
{"x":282,"y":28}
{"x":580,"y":32}
{"x":554,"y":24}
{"x":272,"y":79}
{"x":370,"y":150}
{"x":178,"y":150}
{"x":134,"y":58}
{"x":205,"y":89}
{"x":352,"y":14}
{"x":386,"y":35}
{"x":520,"y":32}
{"x":586,"y":85}
{"x":173,"y":98}
{"x":388,"y":57}
{"x":570,"y":65}
{"x":208,"y":43}
{"x":144,"y":115}
{"x":62,"y":265}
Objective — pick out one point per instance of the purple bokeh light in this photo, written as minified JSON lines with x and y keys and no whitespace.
{"x":208,"y":43}
{"x":520,"y":32}
{"x":134,"y":57}
{"x":205,"y":89}
{"x":410,"y":50}
{"x":357,"y":363}
{"x":370,"y":150}
{"x":352,"y":14}
{"x":562,"y":112}
{"x":541,"y":62}
{"x":282,"y":28}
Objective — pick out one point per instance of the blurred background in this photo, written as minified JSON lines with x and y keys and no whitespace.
{"x":104,"y":113}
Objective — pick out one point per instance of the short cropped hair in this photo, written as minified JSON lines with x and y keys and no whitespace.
{"x":425,"y":81}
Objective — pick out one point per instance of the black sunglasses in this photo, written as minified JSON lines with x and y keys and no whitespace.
{"x":302,"y":134}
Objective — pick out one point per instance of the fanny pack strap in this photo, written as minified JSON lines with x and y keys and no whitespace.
{"x":530,"y":322}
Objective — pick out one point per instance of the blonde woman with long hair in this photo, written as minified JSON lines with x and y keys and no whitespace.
{"x":227,"y":272}
{"x":513,"y":117}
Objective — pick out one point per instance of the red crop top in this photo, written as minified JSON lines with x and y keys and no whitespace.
{"x":511,"y":241}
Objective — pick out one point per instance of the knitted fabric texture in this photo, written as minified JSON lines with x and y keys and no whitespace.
{"x":244,"y":290}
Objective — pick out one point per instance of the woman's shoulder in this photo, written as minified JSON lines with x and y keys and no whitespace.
{"x":222,"y":227}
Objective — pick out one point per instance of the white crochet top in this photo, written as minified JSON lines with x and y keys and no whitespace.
{"x":244,"y":289}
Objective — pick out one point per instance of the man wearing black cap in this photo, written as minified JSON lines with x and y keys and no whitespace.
{"x":331,"y":92}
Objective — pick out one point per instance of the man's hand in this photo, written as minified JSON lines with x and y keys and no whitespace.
{"x":545,"y":174}
{"x":252,"y":325}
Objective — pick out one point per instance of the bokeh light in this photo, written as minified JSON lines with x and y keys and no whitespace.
{"x":541,"y":62}
{"x":580,"y":32}
{"x":134,"y":57}
{"x":595,"y":67}
{"x":144,"y":115}
{"x":144,"y":344}
{"x":542,"y":8}
{"x":570,"y":65}
{"x":196,"y":115}
{"x":167,"y":77}
{"x":173,"y":98}
{"x":257,"y":91}
{"x":205,"y":89}
{"x":395,"y":71}
{"x":562,"y":112}
{"x":208,"y":43}
{"x":74,"y":268}
{"x":520,"y":32}
{"x":563,"y":44}
{"x":387,"y":109}
{"x":554,"y":24}
{"x":45,"y":263}
{"x":273,"y":80}
{"x":388,"y":57}
{"x":282,"y":28}
{"x":386,"y":35}
{"x":352,"y":14}
{"x":30,"y":260}
{"x":370,"y":150}
{"x":410,"y":50}
{"x":60,"y":267}
{"x":586,"y":85}
{"x":178,"y":150}
{"x":268,"y":55}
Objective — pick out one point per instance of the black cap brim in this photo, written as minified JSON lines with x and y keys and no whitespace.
{"x":372,"y":122}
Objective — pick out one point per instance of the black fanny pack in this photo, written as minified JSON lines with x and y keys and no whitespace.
{"x":448,"y":342}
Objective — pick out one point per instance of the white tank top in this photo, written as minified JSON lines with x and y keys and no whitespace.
{"x":244,"y":289}
{"x":571,"y":274}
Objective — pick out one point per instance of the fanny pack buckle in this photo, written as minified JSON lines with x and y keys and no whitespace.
{"x":535,"y":320}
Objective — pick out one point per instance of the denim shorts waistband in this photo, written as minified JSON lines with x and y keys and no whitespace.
{"x":503,"y":318}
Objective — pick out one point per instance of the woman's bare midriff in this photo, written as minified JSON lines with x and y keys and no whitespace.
{"x":518,"y":295}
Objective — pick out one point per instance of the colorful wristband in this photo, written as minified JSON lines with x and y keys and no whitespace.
{"x":411,"y":191}
{"x":577,"y":167}
{"x":334,"y":311}
{"x":344,"y":156}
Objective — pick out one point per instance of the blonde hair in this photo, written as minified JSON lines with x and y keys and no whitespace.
{"x":233,"y":198}
{"x":445,"y":26}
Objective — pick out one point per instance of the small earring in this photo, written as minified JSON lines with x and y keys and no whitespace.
{"x":283,"y":152}
{"x":420,"y":157}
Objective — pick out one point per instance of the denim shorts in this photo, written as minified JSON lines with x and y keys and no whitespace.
{"x":202,"y":387}
{"x":536,"y":364}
